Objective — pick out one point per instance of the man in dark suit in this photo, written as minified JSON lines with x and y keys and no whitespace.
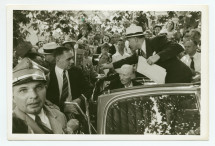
{"x":158,"y":50}
{"x":125,"y":80}
{"x":67,"y":82}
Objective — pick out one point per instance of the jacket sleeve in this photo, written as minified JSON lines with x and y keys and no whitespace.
{"x":165,"y":48}
{"x":85,"y":85}
{"x":133,"y":59}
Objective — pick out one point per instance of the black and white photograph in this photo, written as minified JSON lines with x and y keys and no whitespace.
{"x":127,"y":73}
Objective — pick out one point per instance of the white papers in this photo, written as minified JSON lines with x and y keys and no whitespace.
{"x":106,"y":71}
{"x":153,"y":72}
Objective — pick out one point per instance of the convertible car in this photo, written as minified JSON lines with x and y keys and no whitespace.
{"x":167,"y":109}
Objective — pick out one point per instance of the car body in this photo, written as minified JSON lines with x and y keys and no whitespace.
{"x":161,"y":109}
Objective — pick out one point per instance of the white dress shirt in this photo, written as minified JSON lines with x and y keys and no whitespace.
{"x":59,"y":74}
{"x":143,"y":48}
{"x":117,"y":56}
{"x":43,"y":118}
{"x":197,"y":61}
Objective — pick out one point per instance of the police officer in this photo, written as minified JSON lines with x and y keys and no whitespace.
{"x":32,"y":113}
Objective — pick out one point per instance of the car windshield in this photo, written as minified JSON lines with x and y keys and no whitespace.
{"x":166,"y":114}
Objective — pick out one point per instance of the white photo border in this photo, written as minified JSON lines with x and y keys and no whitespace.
{"x":204,"y":72}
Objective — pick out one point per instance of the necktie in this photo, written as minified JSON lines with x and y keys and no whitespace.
{"x":65,"y":91}
{"x":141,"y":53}
{"x":42,"y":126}
{"x":192,"y":63}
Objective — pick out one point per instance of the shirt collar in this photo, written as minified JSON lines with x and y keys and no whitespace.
{"x":59,"y":70}
{"x":195,"y":55}
{"x":143,"y":47}
{"x":41,"y":114}
{"x":117,"y":53}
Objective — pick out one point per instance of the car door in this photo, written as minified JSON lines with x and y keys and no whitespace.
{"x":172,"y":109}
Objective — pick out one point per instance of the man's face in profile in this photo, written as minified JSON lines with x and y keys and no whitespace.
{"x":132,"y":43}
{"x":66,"y":60}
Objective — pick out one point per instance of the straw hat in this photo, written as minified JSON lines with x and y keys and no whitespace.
{"x":133,"y":31}
{"x":48,"y":48}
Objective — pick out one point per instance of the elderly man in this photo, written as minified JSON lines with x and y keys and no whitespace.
{"x":67,"y":82}
{"x":193,"y":58}
{"x":32,"y":113}
{"x":158,"y":50}
{"x":125,"y":80}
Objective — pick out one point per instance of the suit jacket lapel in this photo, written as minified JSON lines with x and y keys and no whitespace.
{"x":56,"y":127}
{"x":54,"y":87}
{"x":149,"y":50}
{"x":72,"y":81}
{"x":29,"y":121}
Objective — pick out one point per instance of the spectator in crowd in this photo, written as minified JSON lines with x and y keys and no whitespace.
{"x":148,"y":34}
{"x":32,"y":113}
{"x":170,"y":29}
{"x":158,"y":50}
{"x":88,"y":67}
{"x":120,"y":54}
{"x":106,"y":40}
{"x":25,"y":49}
{"x":92,"y":45}
{"x":186,"y":36}
{"x":195,"y":35}
{"x":125,"y":80}
{"x":104,"y":57}
{"x":39,"y":44}
{"x":67,"y":82}
{"x":69,"y":43}
{"x":157,"y":29}
{"x":193,"y":58}
{"x":47,"y":50}
{"x":114,"y":39}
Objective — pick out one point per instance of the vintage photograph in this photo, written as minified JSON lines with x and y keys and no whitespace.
{"x":108,"y":72}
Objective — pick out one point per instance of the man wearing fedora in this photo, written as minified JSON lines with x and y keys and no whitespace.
{"x":158,"y":50}
{"x":47,"y":50}
{"x":69,"y":43}
{"x":32,"y":113}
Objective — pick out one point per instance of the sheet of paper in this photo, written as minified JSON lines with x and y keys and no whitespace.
{"x":154,"y":72}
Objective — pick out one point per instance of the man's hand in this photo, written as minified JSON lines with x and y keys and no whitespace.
{"x":153,"y":59}
{"x":106,"y":66}
{"x":71,"y":108}
{"x":72,"y":126}
{"x":196,"y":78}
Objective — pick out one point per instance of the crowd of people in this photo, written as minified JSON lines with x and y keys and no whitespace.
{"x":49,"y":76}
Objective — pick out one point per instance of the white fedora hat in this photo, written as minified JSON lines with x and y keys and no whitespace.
{"x":48,"y":48}
{"x":133,"y":31}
